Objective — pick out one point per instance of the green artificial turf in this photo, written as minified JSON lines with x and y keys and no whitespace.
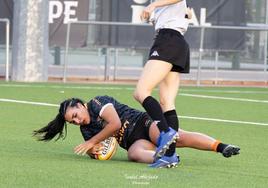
{"x":25,"y":162}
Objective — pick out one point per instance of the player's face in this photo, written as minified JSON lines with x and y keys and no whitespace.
{"x":77,"y":115}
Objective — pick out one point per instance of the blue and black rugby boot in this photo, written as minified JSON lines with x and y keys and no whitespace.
{"x":164,"y":141}
{"x":166,"y":162}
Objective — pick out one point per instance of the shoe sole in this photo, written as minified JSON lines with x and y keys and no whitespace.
{"x":232,"y":151}
{"x":161,"y":152}
{"x":171,"y":165}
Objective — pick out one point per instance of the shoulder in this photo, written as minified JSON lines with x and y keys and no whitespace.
{"x":102,"y":99}
{"x":98,"y":102}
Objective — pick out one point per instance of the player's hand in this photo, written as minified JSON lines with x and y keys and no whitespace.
{"x":146,"y":13}
{"x":82,"y":149}
{"x":97,"y":149}
{"x":189,"y":13}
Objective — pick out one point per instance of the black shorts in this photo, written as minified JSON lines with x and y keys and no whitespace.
{"x":170,"y":46}
{"x":141,"y":130}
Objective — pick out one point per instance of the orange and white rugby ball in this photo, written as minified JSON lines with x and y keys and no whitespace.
{"x":109,"y":149}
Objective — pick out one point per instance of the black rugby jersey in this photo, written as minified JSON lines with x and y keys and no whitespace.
{"x":128,"y":116}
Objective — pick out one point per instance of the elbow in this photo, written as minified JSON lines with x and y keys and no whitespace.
{"x":117,"y":125}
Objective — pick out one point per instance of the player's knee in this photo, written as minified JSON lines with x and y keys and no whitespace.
{"x":140,"y":95}
{"x":162,"y":101}
{"x":166,"y":103}
{"x":181,"y":139}
{"x":133,"y":156}
{"x":136,"y":95}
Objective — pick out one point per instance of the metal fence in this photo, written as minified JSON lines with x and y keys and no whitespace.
{"x":198,"y":69}
{"x":214,"y":66}
{"x":7,"y":22}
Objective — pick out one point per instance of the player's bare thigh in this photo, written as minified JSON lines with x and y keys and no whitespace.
{"x":141,"y":151}
{"x":153,"y":73}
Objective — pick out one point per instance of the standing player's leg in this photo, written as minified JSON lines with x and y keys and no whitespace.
{"x":153,"y":73}
{"x":168,"y":90}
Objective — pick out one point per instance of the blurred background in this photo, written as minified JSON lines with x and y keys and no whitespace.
{"x":104,"y":40}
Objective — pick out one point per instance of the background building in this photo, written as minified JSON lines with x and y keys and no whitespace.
{"x":119,"y":52}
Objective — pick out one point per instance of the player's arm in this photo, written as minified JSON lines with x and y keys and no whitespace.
{"x":161,"y":3}
{"x":146,"y":13}
{"x":110,"y":115}
{"x":189,"y":14}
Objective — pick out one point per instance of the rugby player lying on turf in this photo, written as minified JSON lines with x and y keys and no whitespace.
{"x":103,"y":117}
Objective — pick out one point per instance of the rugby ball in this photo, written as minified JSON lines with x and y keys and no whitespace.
{"x":109,"y":149}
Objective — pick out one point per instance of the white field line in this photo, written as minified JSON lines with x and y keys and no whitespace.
{"x":67,"y":87}
{"x":224,"y":91}
{"x":185,"y":117}
{"x":223,"y":98}
{"x":132,"y":88}
{"x":28,"y":102}
{"x":223,"y":120}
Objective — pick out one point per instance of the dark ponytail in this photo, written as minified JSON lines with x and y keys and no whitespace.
{"x":52,"y":129}
{"x":57,"y":125}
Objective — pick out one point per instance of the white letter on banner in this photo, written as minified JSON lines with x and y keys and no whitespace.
{"x":68,"y":11}
{"x":59,"y":8}
{"x":193,"y":20}
{"x":203,"y":15}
